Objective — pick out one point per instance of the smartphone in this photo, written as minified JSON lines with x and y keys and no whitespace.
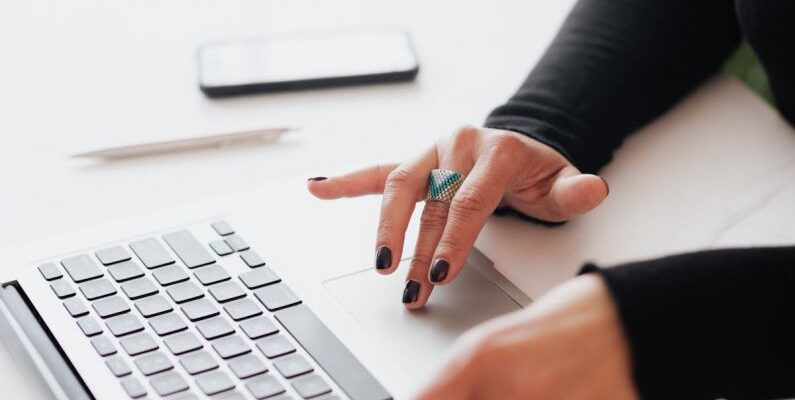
{"x":306,"y":60}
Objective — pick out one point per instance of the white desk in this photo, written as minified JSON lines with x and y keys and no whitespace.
{"x":84,"y":74}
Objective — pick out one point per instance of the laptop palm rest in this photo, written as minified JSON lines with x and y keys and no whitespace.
{"x":419,"y":339}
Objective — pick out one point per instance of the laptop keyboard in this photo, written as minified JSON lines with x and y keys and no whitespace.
{"x":177,"y":320}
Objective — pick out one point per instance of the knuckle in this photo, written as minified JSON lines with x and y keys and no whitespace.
{"x":465,"y":136}
{"x":468,"y":200}
{"x":382,"y":171}
{"x":434,"y":215}
{"x":399,"y":178}
{"x":450,"y":246}
{"x":504,"y":144}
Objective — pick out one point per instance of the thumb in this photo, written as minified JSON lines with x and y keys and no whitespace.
{"x":574,"y":194}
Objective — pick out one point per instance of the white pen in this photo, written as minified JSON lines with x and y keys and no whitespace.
{"x":200,"y":142}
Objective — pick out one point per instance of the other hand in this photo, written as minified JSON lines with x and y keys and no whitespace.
{"x":502,"y":168}
{"x":568,"y":345}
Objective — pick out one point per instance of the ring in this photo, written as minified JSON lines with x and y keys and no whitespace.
{"x":442,"y":185}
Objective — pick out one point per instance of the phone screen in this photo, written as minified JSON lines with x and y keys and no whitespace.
{"x":305,"y":57}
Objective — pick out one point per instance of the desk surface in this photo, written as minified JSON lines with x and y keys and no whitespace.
{"x":85,"y":74}
{"x":88,"y":74}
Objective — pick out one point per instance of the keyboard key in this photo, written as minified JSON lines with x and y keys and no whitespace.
{"x":252,"y":259}
{"x":167,"y":324}
{"x":214,"y":382}
{"x":276,"y":297}
{"x":259,"y":277}
{"x":242,"y":309}
{"x":187,"y":396}
{"x":138,"y":343}
{"x":247,"y":366}
{"x":199,"y":309}
{"x":170,"y":275}
{"x":62,"y":288}
{"x":168,"y":383}
{"x":275,"y":346}
{"x":234,"y":395}
{"x":264,"y":386}
{"x":103,"y":346}
{"x":118,"y":366}
{"x":183,"y":292}
{"x":311,"y":386}
{"x":112,"y":255}
{"x":221,"y":248}
{"x":75,"y":307}
{"x":236,"y":243}
{"x":182,"y":343}
{"x":214,"y":328}
{"x":111,"y":306}
{"x":292,"y":366}
{"x":133,"y":387}
{"x":97,"y":289}
{"x":137,"y":288}
{"x":81,"y":268}
{"x":151,"y":253}
{"x":125,"y":270}
{"x":198,"y":362}
{"x":124,"y":325}
{"x":153,"y":305}
{"x":211,"y":274}
{"x":190,"y":251}
{"x":222,"y":228}
{"x":231,"y":346}
{"x":330,"y":353}
{"x":153,"y":363}
{"x":258,"y":327}
{"x":226,"y":291}
{"x":89,"y":326}
{"x":50,"y":271}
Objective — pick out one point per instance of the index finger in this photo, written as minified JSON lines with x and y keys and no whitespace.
{"x":365,"y":181}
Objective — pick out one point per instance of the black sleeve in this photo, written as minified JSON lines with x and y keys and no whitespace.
{"x":614,"y":66}
{"x":713,"y":324}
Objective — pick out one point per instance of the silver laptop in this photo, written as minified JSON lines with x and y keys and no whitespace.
{"x":238,"y":306}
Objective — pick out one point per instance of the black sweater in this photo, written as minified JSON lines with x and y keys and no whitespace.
{"x":703,"y":325}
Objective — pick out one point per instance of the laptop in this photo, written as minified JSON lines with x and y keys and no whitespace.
{"x":267,"y":294}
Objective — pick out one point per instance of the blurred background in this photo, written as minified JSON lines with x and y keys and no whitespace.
{"x":88,"y":74}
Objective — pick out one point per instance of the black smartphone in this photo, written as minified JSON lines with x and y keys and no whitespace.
{"x":306,"y":60}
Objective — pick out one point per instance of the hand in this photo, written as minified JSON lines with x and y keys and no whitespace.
{"x":501,"y":168}
{"x":567,"y":345}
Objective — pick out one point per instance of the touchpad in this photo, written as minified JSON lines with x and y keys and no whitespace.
{"x":417,"y":339}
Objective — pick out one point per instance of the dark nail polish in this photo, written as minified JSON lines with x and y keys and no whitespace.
{"x":606,"y":185}
{"x":411,"y":292}
{"x":439,"y":270}
{"x":383,"y":258}
{"x":317,"y":178}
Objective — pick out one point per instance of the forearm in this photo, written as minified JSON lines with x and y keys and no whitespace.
{"x":614,"y":66}
{"x":710,"y":324}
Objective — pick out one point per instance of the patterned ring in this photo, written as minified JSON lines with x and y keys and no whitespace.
{"x":442,"y":185}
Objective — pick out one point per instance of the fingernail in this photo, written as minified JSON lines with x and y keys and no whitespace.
{"x":383,"y":258}
{"x":606,"y":185}
{"x":411,"y":292}
{"x":317,"y":178}
{"x":439,"y":270}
